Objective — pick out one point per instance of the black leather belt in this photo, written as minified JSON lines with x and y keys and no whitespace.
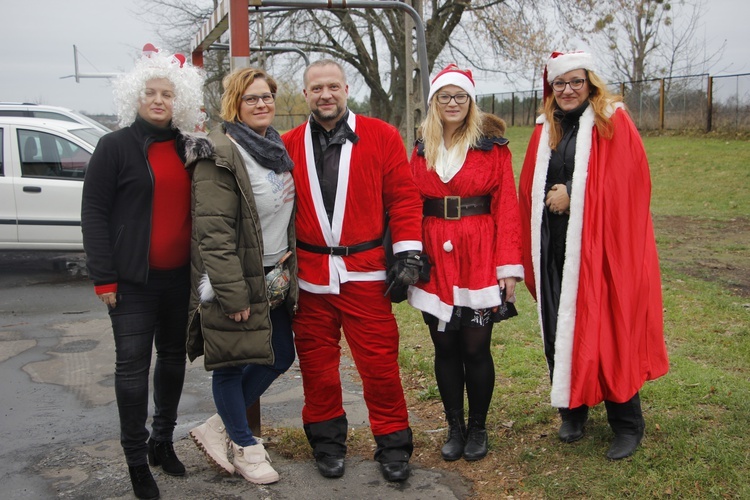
{"x":455,"y":207}
{"x":340,"y":251}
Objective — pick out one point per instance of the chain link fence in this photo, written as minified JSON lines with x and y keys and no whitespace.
{"x":694,"y":102}
{"x":731,"y":103}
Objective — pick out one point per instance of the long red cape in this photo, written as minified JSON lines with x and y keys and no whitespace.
{"x":610,"y":333}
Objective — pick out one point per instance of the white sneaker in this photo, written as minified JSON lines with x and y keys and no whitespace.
{"x":211,"y":437}
{"x":252,"y":462}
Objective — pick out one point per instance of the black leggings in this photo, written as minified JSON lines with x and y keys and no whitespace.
{"x":463,"y":358}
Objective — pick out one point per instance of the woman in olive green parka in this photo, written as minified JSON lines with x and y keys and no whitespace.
{"x":243,"y":236}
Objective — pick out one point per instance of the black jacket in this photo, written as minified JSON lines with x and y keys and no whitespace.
{"x":117,"y":202}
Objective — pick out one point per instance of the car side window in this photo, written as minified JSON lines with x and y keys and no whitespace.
{"x":51,"y":156}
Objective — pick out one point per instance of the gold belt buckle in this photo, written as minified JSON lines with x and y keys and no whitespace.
{"x":457,"y":199}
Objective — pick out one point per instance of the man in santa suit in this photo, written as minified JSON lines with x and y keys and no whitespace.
{"x":349,"y":172}
{"x":590,"y":256}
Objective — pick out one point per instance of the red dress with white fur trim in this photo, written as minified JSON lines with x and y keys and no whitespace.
{"x":469,"y":255}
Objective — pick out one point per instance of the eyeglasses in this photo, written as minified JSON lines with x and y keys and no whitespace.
{"x":459,"y":98}
{"x":576,"y":84}
{"x":252,"y":99}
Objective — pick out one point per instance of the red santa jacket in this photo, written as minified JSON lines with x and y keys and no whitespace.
{"x":469,"y":255}
{"x":610,"y":323}
{"x":374,"y":178}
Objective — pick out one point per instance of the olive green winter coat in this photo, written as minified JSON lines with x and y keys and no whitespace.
{"x":227,"y":246}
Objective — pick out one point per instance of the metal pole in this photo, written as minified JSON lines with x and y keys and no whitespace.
{"x":710,"y":107}
{"x":75,"y":60}
{"x":275,"y":48}
{"x":239,"y":34}
{"x":661,"y":104}
{"x":365,"y":4}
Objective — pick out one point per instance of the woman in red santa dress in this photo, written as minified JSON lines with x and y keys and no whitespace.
{"x":471,"y":231}
{"x":589,"y":252}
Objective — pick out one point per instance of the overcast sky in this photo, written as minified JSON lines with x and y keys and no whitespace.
{"x":37,"y":37}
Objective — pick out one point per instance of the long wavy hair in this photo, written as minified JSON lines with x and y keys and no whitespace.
{"x":187,"y":80}
{"x":600,"y":100}
{"x":235,"y":84}
{"x":467,"y":135}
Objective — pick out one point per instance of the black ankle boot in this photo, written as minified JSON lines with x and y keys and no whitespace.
{"x":162,"y":453}
{"x":453,"y":448}
{"x":143,"y":482}
{"x":476,"y":439}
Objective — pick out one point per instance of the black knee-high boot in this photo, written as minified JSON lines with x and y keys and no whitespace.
{"x":453,"y":449}
{"x":328,"y":442}
{"x":573,"y":421}
{"x":626,"y":420}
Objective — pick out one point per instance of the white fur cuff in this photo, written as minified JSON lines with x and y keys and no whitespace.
{"x":206,"y":290}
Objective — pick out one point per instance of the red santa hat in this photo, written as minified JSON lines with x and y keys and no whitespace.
{"x":149,"y":50}
{"x":560,"y":63}
{"x":453,"y":75}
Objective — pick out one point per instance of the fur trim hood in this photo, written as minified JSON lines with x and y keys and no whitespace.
{"x":492,"y":126}
{"x":195,"y":147}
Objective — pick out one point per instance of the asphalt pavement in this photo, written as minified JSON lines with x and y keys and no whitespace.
{"x":59,"y":425}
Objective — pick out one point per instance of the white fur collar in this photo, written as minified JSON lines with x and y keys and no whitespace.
{"x":561,"y":381}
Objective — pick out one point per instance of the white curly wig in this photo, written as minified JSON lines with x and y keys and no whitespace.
{"x":187,"y":80}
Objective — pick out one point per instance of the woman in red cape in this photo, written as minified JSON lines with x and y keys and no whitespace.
{"x":590,"y":257}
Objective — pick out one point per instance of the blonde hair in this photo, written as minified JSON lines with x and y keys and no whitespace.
{"x":600,"y":100}
{"x":235,"y":84}
{"x":467,"y":135}
{"x":130,"y":89}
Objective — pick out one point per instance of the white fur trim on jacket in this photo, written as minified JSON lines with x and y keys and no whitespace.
{"x":206,"y":290}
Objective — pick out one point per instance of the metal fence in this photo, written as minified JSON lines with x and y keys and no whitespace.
{"x":695,"y":102}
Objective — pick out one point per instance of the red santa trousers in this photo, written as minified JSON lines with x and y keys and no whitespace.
{"x":372,"y":334}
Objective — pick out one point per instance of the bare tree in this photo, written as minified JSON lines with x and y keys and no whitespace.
{"x":644,"y":39}
{"x":370,"y":41}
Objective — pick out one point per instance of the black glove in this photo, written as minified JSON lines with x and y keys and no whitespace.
{"x":405,"y":271}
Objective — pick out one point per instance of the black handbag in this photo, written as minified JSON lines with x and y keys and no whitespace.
{"x":506,"y":310}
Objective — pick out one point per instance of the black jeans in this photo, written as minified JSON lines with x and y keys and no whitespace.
{"x":149,"y":315}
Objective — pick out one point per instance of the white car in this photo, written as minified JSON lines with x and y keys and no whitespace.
{"x":42,"y":165}
{"x":31,"y":110}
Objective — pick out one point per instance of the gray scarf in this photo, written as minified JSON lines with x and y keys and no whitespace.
{"x":268,"y":151}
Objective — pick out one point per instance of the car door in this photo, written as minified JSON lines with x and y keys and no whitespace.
{"x":8,"y":226}
{"x":48,"y":191}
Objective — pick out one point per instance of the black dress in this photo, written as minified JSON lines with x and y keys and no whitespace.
{"x":554,"y":227}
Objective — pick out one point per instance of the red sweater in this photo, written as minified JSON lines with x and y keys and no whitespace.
{"x":170,"y":212}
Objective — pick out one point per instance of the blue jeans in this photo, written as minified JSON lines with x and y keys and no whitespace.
{"x":238,"y":387}
{"x":154,"y":314}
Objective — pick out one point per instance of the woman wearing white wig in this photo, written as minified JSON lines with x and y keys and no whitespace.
{"x":589,"y":252}
{"x":136,"y":233}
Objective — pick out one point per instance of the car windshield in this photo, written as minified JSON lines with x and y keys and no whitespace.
{"x":90,"y":135}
